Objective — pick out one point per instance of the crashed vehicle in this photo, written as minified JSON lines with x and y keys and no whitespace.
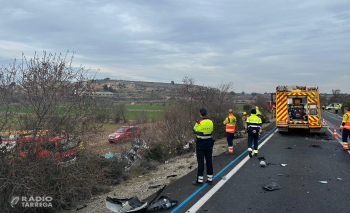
{"x":134,"y":204}
{"x":124,"y":133}
{"x":63,"y":148}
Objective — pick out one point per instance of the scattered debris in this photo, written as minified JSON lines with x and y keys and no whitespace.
{"x":280,"y":174}
{"x":162,"y":204}
{"x":262,"y":164}
{"x":154,"y":187}
{"x":271,"y":164}
{"x":81,"y":207}
{"x":169,"y":176}
{"x":316,"y":146}
{"x":272,"y":186}
{"x":323,"y":181}
{"x":125,"y":205}
{"x":339,"y":179}
{"x":224,"y":178}
{"x":282,"y":164}
{"x":134,"y":204}
{"x":261,"y":158}
{"x":288,"y":148}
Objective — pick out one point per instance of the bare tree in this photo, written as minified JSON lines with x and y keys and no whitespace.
{"x":7,"y":91}
{"x":55,"y":95}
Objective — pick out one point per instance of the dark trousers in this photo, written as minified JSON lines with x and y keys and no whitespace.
{"x":345,"y":135}
{"x":336,"y":111}
{"x":253,"y":136}
{"x":230,"y":137}
{"x":207,"y":154}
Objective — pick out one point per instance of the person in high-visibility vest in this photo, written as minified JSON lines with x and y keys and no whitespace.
{"x":323,"y":107}
{"x":254,"y":126}
{"x":244,"y":120}
{"x":259,"y":115}
{"x":204,"y":147}
{"x":345,"y":128}
{"x":230,"y":123}
{"x":336,"y":109}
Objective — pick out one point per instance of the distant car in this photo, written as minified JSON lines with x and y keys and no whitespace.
{"x":333,"y":105}
{"x":124,"y":133}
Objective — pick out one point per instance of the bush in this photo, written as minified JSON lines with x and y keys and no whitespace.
{"x":155,"y":152}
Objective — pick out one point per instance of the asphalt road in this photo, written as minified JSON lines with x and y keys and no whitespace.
{"x":239,"y":180}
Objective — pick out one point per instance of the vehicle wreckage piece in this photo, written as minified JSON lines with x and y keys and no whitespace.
{"x":125,"y":205}
{"x":272,"y":186}
{"x":163,"y":203}
{"x":134,"y":204}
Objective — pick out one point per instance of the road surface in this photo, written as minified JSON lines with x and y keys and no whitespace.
{"x":239,"y":180}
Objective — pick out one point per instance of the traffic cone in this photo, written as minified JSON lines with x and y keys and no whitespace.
{"x":324,"y":122}
{"x":335,"y":133}
{"x":345,"y":146}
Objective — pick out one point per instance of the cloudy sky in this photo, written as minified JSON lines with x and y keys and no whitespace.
{"x":255,"y":44}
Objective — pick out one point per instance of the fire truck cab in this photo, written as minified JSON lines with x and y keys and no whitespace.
{"x":298,"y":107}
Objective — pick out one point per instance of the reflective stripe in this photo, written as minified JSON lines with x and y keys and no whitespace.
{"x":230,"y":149}
{"x":204,"y":133}
{"x":200,"y":179}
{"x":255,"y":151}
{"x":250,"y":149}
{"x":253,"y":126}
{"x":210,"y":177}
{"x":204,"y":137}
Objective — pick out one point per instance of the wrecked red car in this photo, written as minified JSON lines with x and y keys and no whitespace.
{"x":63,"y":148}
{"x":124,"y":133}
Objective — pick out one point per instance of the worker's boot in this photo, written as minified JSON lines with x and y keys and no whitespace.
{"x":345,"y":146}
{"x":198,"y":182}
{"x":250,"y":152}
{"x":209,"y":179}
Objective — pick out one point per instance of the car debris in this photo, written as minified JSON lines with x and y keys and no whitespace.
{"x":280,"y":174}
{"x":282,"y":164}
{"x":339,"y":179}
{"x":81,"y":207}
{"x":272,"y":186}
{"x":154,"y":187}
{"x":323,"y":181}
{"x":169,"y":176}
{"x":262,"y":164}
{"x":315,"y":146}
{"x":134,"y":204}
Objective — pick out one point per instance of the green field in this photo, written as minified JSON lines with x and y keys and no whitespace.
{"x":147,"y":106}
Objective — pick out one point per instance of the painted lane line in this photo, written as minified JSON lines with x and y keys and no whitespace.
{"x":338,"y":137}
{"x":193,"y":194}
{"x":217,"y":186}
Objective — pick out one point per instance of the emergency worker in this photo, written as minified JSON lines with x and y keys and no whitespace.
{"x":259,"y":115}
{"x":323,"y":107}
{"x":230,"y":123}
{"x":204,"y":147}
{"x":345,"y":128}
{"x":244,"y":120}
{"x":254,"y":126}
{"x":336,"y":109}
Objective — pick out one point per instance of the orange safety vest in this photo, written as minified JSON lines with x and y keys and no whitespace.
{"x":230,"y":128}
{"x":346,"y":119}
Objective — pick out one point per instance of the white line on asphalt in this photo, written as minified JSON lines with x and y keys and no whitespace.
{"x":217,"y":186}
{"x":338,"y":137}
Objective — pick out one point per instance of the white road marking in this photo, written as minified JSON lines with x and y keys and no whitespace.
{"x":217,"y":186}
{"x":338,"y":137}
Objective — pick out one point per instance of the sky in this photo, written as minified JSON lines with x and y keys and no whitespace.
{"x":254,"y":44}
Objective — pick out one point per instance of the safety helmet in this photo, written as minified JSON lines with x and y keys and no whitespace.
{"x":257,"y":107}
{"x":244,"y":113}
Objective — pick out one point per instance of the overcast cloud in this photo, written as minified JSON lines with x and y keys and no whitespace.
{"x":257,"y":44}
